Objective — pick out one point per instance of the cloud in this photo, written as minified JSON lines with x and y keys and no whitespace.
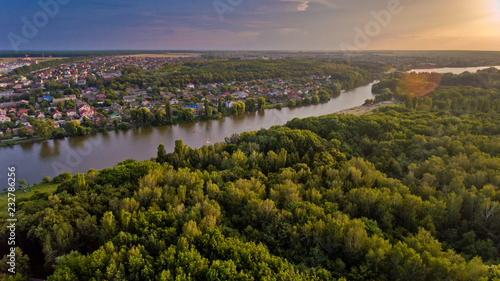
{"x":303,"y":5}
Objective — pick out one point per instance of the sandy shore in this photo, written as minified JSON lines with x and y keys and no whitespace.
{"x":365,"y":109}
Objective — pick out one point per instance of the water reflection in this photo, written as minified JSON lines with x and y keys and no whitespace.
{"x":27,"y":146}
{"x":49,"y":149}
{"x":78,"y":142}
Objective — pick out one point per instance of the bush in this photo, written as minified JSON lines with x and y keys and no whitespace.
{"x":63,"y":177}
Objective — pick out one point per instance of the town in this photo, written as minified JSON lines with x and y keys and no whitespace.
{"x":72,"y":99}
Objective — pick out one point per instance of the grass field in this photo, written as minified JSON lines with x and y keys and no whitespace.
{"x":20,"y":194}
{"x":7,"y":60}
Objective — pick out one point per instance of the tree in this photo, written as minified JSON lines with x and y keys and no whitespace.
{"x":168,"y":111}
{"x":261,"y":102}
{"x":323,"y":96}
{"x":208,"y":109}
{"x":42,"y":128}
{"x":220,"y":105}
{"x":251,"y":104}
{"x":22,"y":184}
{"x":162,"y":154}
{"x":60,"y":106}
{"x":81,"y":184}
{"x":103,"y":123}
{"x":161,"y":116}
{"x":314,"y":99}
{"x":238,"y":107}
{"x":72,"y":127}
{"x":24,"y":132}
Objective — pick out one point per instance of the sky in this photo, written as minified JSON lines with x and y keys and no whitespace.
{"x":250,"y":25}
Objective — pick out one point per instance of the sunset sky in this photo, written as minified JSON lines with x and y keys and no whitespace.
{"x":253,"y":25}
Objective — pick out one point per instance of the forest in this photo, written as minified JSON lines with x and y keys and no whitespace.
{"x":229,"y":70}
{"x":410,"y":192}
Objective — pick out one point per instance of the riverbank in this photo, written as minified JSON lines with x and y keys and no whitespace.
{"x":131,"y":125}
{"x":7,"y":142}
{"x":102,"y":150}
{"x":365,"y":109}
{"x":20,"y":195}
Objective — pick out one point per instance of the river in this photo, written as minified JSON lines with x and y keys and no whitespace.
{"x":454,"y":70}
{"x":34,"y":161}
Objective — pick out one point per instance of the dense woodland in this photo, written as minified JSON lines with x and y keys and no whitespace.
{"x":229,"y":70}
{"x":410,"y":192}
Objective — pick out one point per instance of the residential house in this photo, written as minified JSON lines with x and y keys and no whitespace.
{"x":90,"y":91}
{"x":200,"y":105}
{"x":22,"y":111}
{"x":98,"y":118}
{"x":2,"y":111}
{"x":129,"y":98}
{"x":23,"y":117}
{"x":70,"y":112}
{"x":56,"y":115}
{"x":40,"y":115}
{"x":194,"y":108}
{"x":84,"y":107}
{"x":7,"y":93}
{"x":117,"y":107}
{"x":101,"y":97}
{"x":190,"y":86}
{"x":66,"y":98}
{"x":87,"y":113}
{"x":4,"y":119}
{"x":115,"y":116}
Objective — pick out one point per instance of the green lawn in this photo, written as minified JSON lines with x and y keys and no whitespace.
{"x":20,"y":194}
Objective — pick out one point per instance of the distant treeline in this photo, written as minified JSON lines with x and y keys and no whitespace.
{"x":57,"y":54}
{"x":29,"y":68}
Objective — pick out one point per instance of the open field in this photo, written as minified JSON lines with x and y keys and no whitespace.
{"x":40,"y":59}
{"x":166,"y":55}
{"x":20,"y":194}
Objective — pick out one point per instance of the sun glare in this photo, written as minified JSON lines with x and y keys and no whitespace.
{"x":495,"y":8}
